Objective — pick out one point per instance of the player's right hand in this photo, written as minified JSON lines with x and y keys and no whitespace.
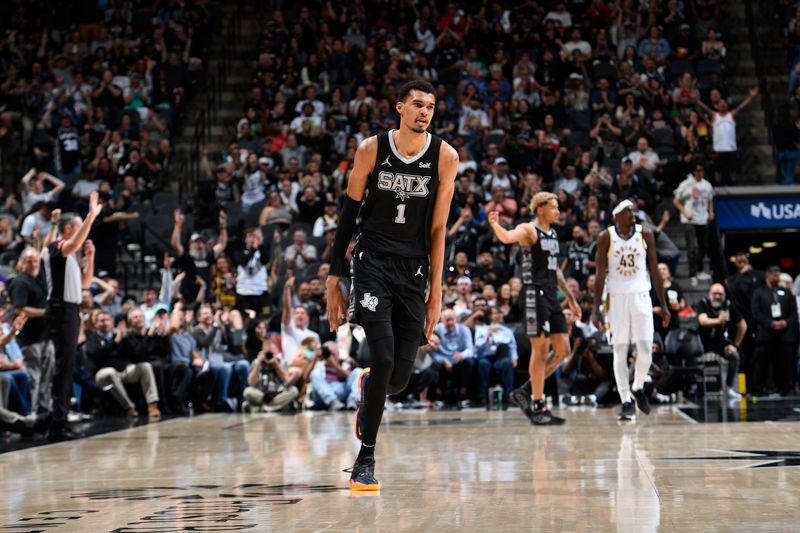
{"x":494,"y":217}
{"x":665,"y":318}
{"x":337,"y":306}
{"x":433,"y":311}
{"x":597,"y":319}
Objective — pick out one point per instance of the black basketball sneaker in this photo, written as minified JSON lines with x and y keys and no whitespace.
{"x":543,"y":417}
{"x":362,"y":475}
{"x":627,"y":412}
{"x":521,"y":397}
{"x":641,"y":401}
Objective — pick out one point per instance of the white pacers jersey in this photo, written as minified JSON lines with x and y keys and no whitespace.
{"x":627,"y":263}
{"x":629,"y":311}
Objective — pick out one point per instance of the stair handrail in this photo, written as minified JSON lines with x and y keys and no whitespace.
{"x":761,"y":76}
{"x":206,"y":116}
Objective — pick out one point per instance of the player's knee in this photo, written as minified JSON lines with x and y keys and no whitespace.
{"x":397,"y":384}
{"x":539,"y":355}
{"x":401,"y":375}
{"x":383,"y":359}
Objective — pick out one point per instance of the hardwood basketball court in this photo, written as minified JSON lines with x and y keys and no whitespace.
{"x":444,"y":471}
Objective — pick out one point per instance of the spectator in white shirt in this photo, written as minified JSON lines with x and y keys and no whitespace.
{"x":37,"y":220}
{"x":85,"y":186}
{"x":288,"y":193}
{"x":361,"y":98}
{"x":317,"y":107}
{"x":33,"y":188}
{"x":473,"y":119}
{"x":294,"y":323}
{"x":575,"y":43}
{"x":300,"y":253}
{"x":425,"y":37}
{"x":306,"y":116}
{"x":329,"y":218}
{"x":692,"y":199}
{"x":560,"y":15}
{"x":568,"y":181}
{"x":644,"y":157}
{"x":465,"y":161}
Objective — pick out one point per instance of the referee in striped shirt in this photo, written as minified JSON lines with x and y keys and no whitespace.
{"x":65,"y":283}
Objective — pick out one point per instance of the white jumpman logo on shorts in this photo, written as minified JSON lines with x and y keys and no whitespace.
{"x":419,"y":272}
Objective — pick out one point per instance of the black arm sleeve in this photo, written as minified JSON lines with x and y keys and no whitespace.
{"x":344,"y":232}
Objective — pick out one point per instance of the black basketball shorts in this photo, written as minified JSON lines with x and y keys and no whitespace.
{"x":387,"y":288}
{"x":541,"y":311}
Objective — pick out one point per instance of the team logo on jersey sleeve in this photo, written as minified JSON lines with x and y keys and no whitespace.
{"x":370,"y":302}
{"x":627,"y":259}
{"x":404,"y":185}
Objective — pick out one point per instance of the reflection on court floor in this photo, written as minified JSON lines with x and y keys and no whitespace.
{"x":465,"y":471}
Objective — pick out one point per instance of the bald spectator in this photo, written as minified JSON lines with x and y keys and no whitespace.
{"x":455,"y":356}
{"x":28,"y":293}
{"x":644,"y":158}
{"x":722,"y":330}
{"x":300,"y":254}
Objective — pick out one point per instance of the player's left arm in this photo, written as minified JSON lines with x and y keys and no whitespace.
{"x":448,"y":167}
{"x":562,"y":286}
{"x":655,"y":278}
{"x":601,"y":262}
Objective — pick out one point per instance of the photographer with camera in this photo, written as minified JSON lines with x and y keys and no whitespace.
{"x":586,"y":376}
{"x":268,"y":382}
{"x":335,"y":385}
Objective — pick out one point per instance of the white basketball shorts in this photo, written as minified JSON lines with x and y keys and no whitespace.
{"x":630,"y":317}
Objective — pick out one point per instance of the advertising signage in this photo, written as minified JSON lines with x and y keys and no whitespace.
{"x":758,"y":211}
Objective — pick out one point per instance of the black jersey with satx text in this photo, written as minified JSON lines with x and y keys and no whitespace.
{"x":540,"y":261}
{"x":400,"y":195}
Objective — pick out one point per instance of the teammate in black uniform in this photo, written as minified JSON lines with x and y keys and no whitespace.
{"x":405,"y":179}
{"x":544,"y":319}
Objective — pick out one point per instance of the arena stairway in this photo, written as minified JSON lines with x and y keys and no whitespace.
{"x":743,"y":66}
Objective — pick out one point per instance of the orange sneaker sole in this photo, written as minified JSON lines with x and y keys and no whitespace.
{"x":361,"y":487}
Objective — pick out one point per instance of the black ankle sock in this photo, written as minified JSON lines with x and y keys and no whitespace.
{"x":366,"y":452}
{"x":539,"y":405}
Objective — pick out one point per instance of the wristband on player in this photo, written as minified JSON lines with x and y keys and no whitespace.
{"x":344,"y":232}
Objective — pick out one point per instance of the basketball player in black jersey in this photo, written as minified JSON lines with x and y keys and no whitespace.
{"x":544,"y":320}
{"x":402,"y":181}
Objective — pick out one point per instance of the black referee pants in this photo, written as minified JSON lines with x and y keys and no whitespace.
{"x":63,"y":324}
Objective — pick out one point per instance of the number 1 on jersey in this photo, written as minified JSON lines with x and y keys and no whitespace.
{"x":401,"y":214}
